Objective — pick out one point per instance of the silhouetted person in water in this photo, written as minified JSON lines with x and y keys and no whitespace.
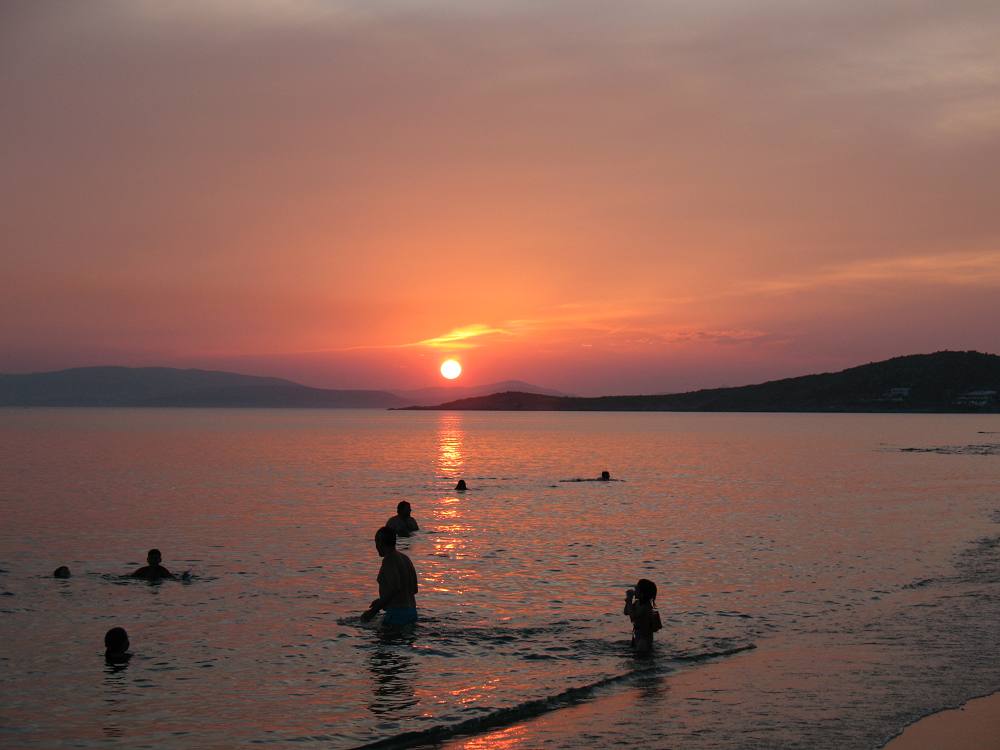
{"x":605,"y":477}
{"x":61,"y":572}
{"x":397,"y":583}
{"x":460,"y":487}
{"x":640,"y":606}
{"x":403,"y":523}
{"x":153,"y":571}
{"x":116,"y":645}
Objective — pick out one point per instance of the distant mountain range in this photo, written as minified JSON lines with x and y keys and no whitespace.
{"x":167,"y":386}
{"x":941,"y":382}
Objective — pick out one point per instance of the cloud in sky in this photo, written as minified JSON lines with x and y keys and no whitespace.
{"x":309,"y":187}
{"x":465,"y":337}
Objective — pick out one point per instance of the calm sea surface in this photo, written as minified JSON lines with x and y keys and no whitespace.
{"x":866,"y":576}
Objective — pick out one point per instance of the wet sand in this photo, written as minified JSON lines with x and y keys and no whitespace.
{"x":974,"y":726}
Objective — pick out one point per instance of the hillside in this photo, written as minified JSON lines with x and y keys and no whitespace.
{"x":940,"y":382}
{"x":453,"y":392}
{"x":167,"y":386}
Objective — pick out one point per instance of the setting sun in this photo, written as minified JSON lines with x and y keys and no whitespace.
{"x":451,"y":369}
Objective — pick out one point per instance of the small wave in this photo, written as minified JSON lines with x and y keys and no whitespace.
{"x":522,"y":642}
{"x":979,"y":563}
{"x":530,"y":709}
{"x":357,"y":622}
{"x":920,"y":584}
{"x":979,"y":449}
{"x":127,"y":579}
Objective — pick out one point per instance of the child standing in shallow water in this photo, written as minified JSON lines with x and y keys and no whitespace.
{"x":641,"y":610}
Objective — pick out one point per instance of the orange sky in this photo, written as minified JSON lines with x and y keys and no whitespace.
{"x":596,"y":197}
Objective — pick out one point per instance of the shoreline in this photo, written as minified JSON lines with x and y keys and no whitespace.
{"x":975,"y":725}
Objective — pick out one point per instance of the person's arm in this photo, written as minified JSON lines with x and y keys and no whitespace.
{"x":629,"y":606}
{"x":389,"y":582}
{"x":413,"y":524}
{"x":388,"y":586}
{"x":371,"y":611}
{"x":412,"y":575}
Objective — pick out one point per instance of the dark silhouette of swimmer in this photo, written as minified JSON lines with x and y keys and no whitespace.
{"x":605,"y":477}
{"x":397,"y":583}
{"x":460,"y":487}
{"x":61,"y":572}
{"x":116,"y":645}
{"x":403,"y":523}
{"x":153,"y":571}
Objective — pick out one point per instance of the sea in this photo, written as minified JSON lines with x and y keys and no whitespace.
{"x":823,"y":579}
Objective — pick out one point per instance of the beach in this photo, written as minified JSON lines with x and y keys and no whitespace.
{"x":822,"y":585}
{"x":973,"y":726}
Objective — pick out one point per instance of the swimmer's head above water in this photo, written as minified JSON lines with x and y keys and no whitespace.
{"x":115,"y":643}
{"x":403,"y":509}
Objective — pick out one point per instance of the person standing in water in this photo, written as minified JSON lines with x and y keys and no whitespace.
{"x":403,"y":523}
{"x":153,"y":571}
{"x":640,"y":606}
{"x":397,"y":583}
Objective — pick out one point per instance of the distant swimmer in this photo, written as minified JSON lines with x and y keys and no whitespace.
{"x":397,"y":583}
{"x":460,"y":487}
{"x":61,"y":572}
{"x":640,"y":606}
{"x":605,"y":477}
{"x":153,"y":571}
{"x":403,"y":523}
{"x":116,"y":645}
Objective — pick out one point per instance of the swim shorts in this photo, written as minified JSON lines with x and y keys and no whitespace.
{"x":399,"y":616}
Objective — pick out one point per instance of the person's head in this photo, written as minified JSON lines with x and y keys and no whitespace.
{"x":606,"y":476}
{"x":153,"y":557}
{"x":385,"y":540}
{"x":61,"y":572}
{"x":645,"y":590}
{"x":461,"y":485}
{"x":116,"y":642}
{"x":403,"y":509}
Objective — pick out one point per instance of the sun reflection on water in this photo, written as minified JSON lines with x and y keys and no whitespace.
{"x":451,"y":439}
{"x":502,"y":739}
{"x":448,"y":510}
{"x":450,"y":573}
